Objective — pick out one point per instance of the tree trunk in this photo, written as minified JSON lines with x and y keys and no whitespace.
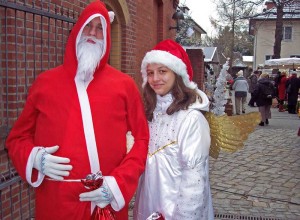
{"x":231,"y":51}
{"x":278,"y":32}
{"x":232,"y":43}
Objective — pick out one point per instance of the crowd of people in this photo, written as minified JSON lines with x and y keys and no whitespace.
{"x":263,"y":90}
{"x":288,"y":90}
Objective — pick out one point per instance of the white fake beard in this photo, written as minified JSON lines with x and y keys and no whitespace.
{"x":88,"y":56}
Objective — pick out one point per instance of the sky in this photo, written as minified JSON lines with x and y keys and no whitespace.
{"x":200,"y":10}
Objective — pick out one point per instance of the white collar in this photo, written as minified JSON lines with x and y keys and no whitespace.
{"x":163,"y":102}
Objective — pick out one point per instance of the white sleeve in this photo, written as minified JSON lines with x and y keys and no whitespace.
{"x":118,"y":201}
{"x":194,"y":141}
{"x":29,"y":167}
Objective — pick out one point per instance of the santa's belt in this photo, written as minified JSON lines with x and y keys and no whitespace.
{"x":67,"y":180}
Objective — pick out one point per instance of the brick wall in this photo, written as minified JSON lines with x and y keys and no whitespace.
{"x":196,"y":58}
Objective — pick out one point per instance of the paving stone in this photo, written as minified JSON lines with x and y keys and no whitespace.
{"x":260,"y":204}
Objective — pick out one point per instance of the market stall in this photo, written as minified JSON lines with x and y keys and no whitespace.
{"x":292,"y":63}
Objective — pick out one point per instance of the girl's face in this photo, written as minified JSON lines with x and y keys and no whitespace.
{"x":160,"y":78}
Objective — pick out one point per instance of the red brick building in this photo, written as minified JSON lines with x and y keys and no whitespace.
{"x":32,"y":40}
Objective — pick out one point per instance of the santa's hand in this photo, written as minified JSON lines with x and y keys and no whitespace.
{"x":102,"y":196}
{"x":53,"y":166}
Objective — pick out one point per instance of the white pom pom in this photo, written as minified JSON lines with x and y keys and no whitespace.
{"x":111,"y":15}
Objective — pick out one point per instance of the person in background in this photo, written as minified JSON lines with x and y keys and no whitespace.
{"x":276,"y":82}
{"x":240,"y":87}
{"x":229,"y":81}
{"x":263,"y":94}
{"x":281,"y":93}
{"x":74,"y":123}
{"x":252,"y":81}
{"x":292,"y":88}
{"x":176,"y":180}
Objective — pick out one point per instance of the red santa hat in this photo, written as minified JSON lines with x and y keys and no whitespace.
{"x":173,"y":56}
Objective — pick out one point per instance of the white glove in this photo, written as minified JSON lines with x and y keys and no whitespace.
{"x":52,"y":166}
{"x":102,"y":196}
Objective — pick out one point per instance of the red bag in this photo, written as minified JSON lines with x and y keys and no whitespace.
{"x":94,"y":181}
{"x":156,"y":216}
{"x":105,"y":213}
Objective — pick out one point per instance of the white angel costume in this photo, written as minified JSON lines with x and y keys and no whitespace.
{"x":176,"y":179}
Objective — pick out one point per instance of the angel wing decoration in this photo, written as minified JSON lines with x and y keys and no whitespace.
{"x":229,"y":133}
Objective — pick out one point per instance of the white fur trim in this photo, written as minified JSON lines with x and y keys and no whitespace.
{"x":88,"y":128}
{"x":204,"y":105}
{"x":118,"y":201}
{"x":29,"y":167}
{"x":170,"y":61}
{"x":111,"y":15}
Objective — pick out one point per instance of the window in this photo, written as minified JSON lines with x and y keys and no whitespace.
{"x":287,"y":33}
{"x":268,"y":57}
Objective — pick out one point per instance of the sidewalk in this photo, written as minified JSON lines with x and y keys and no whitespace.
{"x":261,"y":181}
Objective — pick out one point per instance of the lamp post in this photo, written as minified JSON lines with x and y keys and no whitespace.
{"x":178,"y":15}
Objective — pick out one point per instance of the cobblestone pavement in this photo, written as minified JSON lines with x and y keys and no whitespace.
{"x":262,"y":180}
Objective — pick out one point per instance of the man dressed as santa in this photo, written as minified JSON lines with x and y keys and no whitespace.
{"x":75,"y":122}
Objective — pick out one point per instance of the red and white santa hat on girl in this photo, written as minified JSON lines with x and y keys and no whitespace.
{"x":172,"y":55}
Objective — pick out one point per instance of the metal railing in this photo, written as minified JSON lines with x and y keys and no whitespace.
{"x":32,"y":40}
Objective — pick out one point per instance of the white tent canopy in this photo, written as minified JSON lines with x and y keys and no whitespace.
{"x":283,"y":63}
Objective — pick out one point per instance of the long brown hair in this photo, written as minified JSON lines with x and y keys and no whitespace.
{"x":183,"y":98}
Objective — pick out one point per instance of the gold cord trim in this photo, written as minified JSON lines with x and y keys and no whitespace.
{"x":161,"y":148}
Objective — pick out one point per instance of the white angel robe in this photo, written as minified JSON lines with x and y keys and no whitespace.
{"x":176,"y":179}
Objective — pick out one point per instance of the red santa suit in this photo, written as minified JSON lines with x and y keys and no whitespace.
{"x":56,"y":114}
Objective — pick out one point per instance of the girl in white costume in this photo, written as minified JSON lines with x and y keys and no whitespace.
{"x":176,"y":180}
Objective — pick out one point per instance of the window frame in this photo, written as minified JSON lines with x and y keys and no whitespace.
{"x":285,"y":33}
{"x":268,"y":57}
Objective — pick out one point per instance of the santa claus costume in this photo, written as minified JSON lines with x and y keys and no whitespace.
{"x":176,"y":181}
{"x":89,"y":122}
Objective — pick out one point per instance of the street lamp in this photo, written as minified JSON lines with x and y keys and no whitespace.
{"x":178,"y":15}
